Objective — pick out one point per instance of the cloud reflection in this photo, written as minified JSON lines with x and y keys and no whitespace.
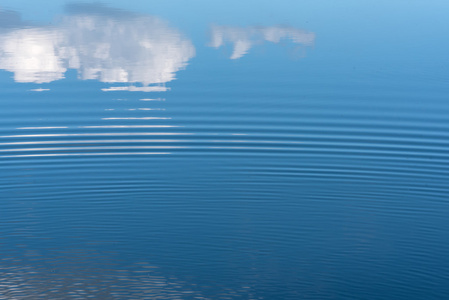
{"x":102,"y":43}
{"x":244,"y":38}
{"x":86,"y":274}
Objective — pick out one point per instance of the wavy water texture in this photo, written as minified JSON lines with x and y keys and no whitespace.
{"x":270,"y":178}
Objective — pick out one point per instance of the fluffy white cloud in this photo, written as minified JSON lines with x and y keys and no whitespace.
{"x":102,"y":44}
{"x":244,"y":38}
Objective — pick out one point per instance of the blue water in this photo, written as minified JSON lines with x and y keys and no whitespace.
{"x":234,"y":150}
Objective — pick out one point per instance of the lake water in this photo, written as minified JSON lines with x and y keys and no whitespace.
{"x":232,"y":150}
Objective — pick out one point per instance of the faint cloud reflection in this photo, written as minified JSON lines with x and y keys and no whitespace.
{"x":102,"y":43}
{"x":84,"y":278}
{"x":244,"y":38}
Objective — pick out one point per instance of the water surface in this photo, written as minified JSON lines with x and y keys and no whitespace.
{"x":253,"y":150}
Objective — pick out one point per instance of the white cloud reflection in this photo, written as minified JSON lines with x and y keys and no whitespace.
{"x":32,"y":54}
{"x":103,"y":44}
{"x":136,"y":88}
{"x":244,"y":38}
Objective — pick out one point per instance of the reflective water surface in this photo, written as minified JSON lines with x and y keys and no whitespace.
{"x":255,"y":150}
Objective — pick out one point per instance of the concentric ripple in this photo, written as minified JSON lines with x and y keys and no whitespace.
{"x":143,"y":159}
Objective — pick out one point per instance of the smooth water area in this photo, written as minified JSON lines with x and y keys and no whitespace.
{"x":232,"y":150}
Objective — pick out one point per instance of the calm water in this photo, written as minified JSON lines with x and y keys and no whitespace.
{"x":235,"y":150}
